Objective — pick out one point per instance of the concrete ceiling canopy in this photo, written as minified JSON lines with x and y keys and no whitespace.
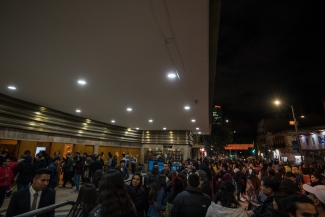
{"x":123,"y":50}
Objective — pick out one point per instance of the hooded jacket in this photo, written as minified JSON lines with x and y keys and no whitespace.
{"x":191,"y":203}
{"x":25,"y":169}
{"x":216,"y":210}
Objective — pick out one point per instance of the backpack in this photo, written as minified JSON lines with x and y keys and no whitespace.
{"x":148,"y":181}
{"x":47,"y":161}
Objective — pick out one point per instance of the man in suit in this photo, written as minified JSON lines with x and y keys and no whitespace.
{"x":35,"y":197}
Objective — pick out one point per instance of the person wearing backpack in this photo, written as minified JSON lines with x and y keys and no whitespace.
{"x":239,"y":176}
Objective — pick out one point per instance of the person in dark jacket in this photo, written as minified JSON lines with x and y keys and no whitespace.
{"x":68,"y":170}
{"x":95,"y":165}
{"x":54,"y":176}
{"x":205,"y":167}
{"x":35,"y":197}
{"x":239,"y":178}
{"x":78,"y":167}
{"x":26,"y":170}
{"x":39,"y":162}
{"x":139,"y":196}
{"x":204,"y":185}
{"x":191,"y":202}
{"x":124,"y":170}
{"x":269,"y":186}
{"x":178,"y":186}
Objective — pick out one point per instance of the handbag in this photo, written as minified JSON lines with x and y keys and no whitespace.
{"x":86,"y":174}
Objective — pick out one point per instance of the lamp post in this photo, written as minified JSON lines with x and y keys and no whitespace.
{"x":296,"y":128}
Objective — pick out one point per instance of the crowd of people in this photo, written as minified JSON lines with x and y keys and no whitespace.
{"x":198,"y":187}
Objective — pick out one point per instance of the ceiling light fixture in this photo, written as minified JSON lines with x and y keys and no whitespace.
{"x":150,"y":121}
{"x":81,"y":82}
{"x":199,"y":132}
{"x":197,"y":128}
{"x":137,"y":128}
{"x":11,"y":87}
{"x":193,"y":120}
{"x":129,"y":109}
{"x":113,"y":121}
{"x":164,"y":128}
{"x":78,"y":110}
{"x":187,"y":107}
{"x":171,"y":75}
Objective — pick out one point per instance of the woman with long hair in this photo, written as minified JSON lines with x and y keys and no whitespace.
{"x":251,"y":196}
{"x":87,"y":200}
{"x":225,"y":203}
{"x":315,"y":179}
{"x":177,"y":187}
{"x":78,"y":167}
{"x":157,"y":197}
{"x":97,"y":177}
{"x":139,"y":196}
{"x":114,"y":198}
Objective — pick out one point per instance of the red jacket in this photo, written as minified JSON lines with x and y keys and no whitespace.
{"x":5,"y":181}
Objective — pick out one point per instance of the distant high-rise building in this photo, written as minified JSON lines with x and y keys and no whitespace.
{"x":216,"y":115}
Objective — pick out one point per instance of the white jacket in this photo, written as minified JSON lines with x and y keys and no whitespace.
{"x":216,"y":210}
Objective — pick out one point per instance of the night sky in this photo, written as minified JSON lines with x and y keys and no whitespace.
{"x":270,"y":50}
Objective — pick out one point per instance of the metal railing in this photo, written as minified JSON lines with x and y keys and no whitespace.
{"x":46,"y":209}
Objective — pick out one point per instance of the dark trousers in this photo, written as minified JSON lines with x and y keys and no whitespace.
{"x":2,"y":194}
{"x":243,"y":189}
{"x":67,"y":177}
{"x":133,"y":168}
{"x":239,"y":190}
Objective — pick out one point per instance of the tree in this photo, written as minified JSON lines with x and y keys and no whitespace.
{"x":219,"y":137}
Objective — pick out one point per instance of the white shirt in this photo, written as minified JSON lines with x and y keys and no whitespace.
{"x":32,"y":192}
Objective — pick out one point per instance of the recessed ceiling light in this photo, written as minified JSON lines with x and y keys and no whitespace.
{"x":150,"y":120}
{"x":81,"y":82}
{"x":11,"y":87}
{"x":78,"y":110}
{"x":129,"y":109}
{"x":113,"y":121}
{"x":137,"y":128}
{"x":171,"y":75}
{"x":164,"y":128}
{"x":197,"y":128}
{"x":187,"y":107}
{"x":199,"y":132}
{"x":193,"y":120}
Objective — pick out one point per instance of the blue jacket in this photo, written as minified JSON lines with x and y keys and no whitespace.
{"x":54,"y":176}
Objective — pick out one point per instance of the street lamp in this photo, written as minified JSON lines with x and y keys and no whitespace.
{"x":277,"y":102}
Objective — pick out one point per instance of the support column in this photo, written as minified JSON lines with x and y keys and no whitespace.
{"x":96,"y":149}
